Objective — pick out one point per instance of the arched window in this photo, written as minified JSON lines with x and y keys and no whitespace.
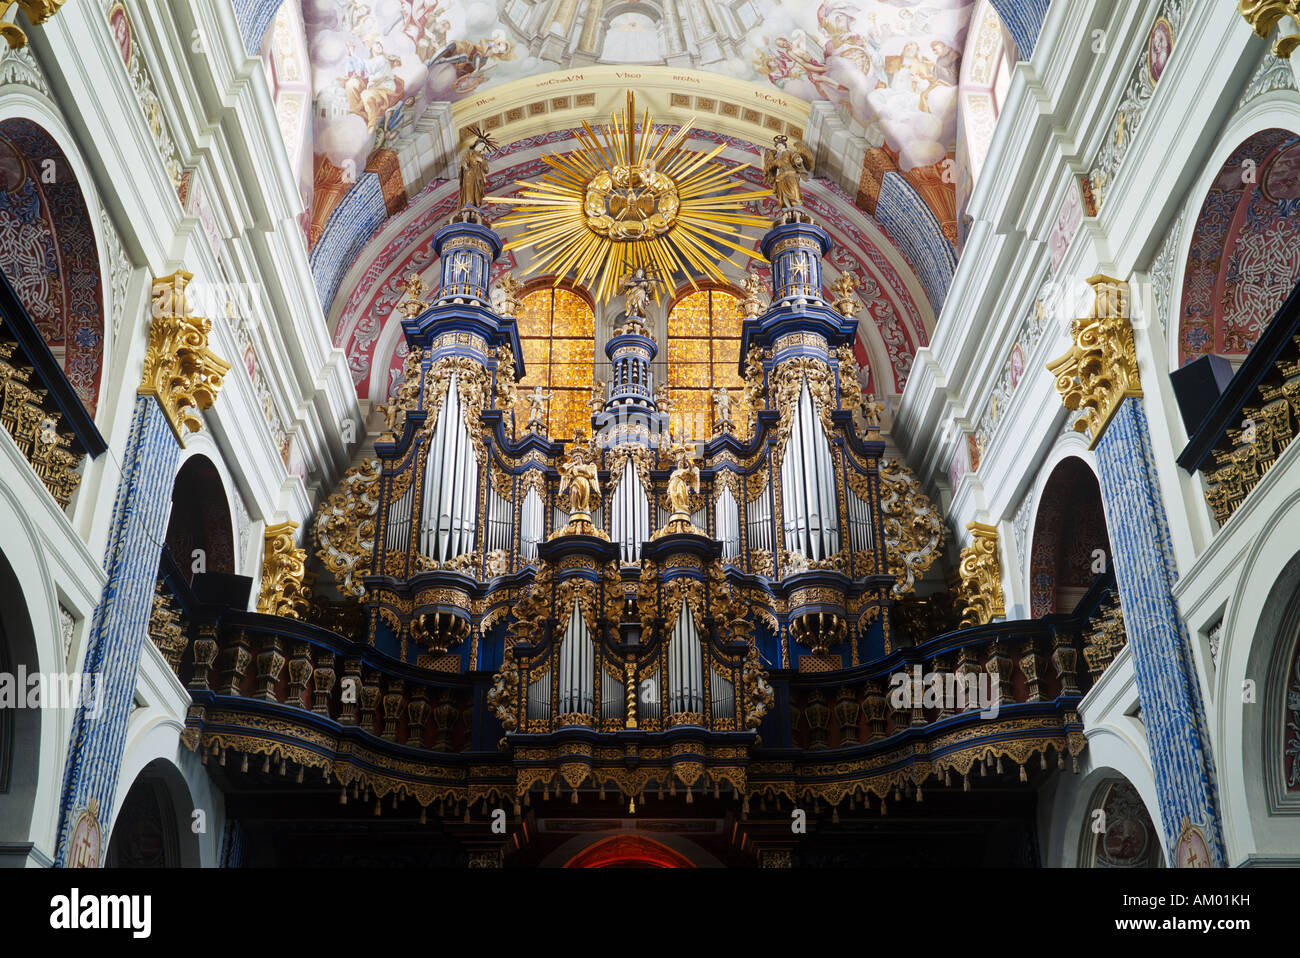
{"x":703,"y":355}
{"x":557,"y":333}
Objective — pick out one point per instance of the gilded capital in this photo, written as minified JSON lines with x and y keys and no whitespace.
{"x":1100,"y":370}
{"x":981,"y":577}
{"x":37,"y":11}
{"x":283,"y":592}
{"x":180,"y":371}
{"x":1264,"y":15}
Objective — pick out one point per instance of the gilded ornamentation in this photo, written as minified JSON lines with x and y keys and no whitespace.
{"x":783,"y":166}
{"x":36,"y":430}
{"x":166,"y":628}
{"x":283,"y":592}
{"x":415,"y":288}
{"x":505,"y":295}
{"x":1264,"y":16}
{"x":345,"y":527}
{"x":37,"y":11}
{"x":1100,"y":371}
{"x":756,"y":298}
{"x":1104,"y":639}
{"x":408,"y":393}
{"x":913,"y":528}
{"x":579,"y":479}
{"x":846,"y":304}
{"x":684,"y":480}
{"x":180,"y":371}
{"x":624,"y":200}
{"x":981,"y":577}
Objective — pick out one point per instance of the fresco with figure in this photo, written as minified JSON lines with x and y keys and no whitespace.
{"x":889,"y":65}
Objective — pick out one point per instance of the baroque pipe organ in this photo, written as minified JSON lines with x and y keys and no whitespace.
{"x":626,"y":609}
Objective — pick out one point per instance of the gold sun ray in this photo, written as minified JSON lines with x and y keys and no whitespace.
{"x":628,"y":197}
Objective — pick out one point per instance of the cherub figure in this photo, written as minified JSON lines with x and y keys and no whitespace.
{"x":722,"y":409}
{"x":537,"y":401}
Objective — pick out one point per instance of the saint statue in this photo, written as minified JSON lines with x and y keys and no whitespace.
{"x":722,"y":409}
{"x":753,"y":304}
{"x":578,"y":478}
{"x":684,"y":480}
{"x":597,"y":401}
{"x":637,"y":287}
{"x":537,"y":401}
{"x":782,"y":168}
{"x":474,"y":168}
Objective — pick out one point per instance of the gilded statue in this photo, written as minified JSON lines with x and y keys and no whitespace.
{"x":753,"y":304}
{"x":783,"y":166}
{"x":684,"y":480}
{"x":846,"y":304}
{"x":637,"y":287}
{"x":474,"y":168}
{"x":579,"y":479}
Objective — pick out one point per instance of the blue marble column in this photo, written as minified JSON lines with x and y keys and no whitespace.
{"x":120,"y":625}
{"x":1168,"y":689}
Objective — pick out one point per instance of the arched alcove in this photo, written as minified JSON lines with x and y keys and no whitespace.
{"x":48,"y":253}
{"x":1118,"y":831}
{"x":20,"y":727}
{"x":628,"y":851}
{"x":200,"y":519}
{"x":1069,"y":529}
{"x":1244,"y":256}
{"x":151,"y":827}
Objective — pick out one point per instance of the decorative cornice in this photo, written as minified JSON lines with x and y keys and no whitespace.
{"x":179,"y":369}
{"x":283,"y":592}
{"x":981,"y":577}
{"x":1100,"y":370}
{"x":1264,"y":15}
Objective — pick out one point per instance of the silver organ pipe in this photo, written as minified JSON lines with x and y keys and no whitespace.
{"x":577,"y":664}
{"x":398,"y":527}
{"x":685,"y":666}
{"x":539,"y":697}
{"x":722,"y":696}
{"x":531,"y":521}
{"x":758,"y":521}
{"x":700,"y":518}
{"x":449,"y":517}
{"x":631,"y":514}
{"x":859,"y":522}
{"x":727,"y":524}
{"x":613,"y":699}
{"x":558,"y":517}
{"x":499,"y":520}
{"x":810,"y":517}
{"x":649,"y":697}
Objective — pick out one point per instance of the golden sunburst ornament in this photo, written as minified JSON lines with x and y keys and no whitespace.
{"x":618,"y":203}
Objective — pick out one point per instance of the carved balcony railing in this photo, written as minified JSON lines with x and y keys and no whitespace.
{"x":38,"y":407}
{"x":1255,"y":418}
{"x":864,"y":732}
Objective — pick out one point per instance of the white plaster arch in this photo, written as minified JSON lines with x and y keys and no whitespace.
{"x":153,"y":739}
{"x":1069,"y":445}
{"x":36,"y":607}
{"x":202,"y":444}
{"x":1250,"y":628}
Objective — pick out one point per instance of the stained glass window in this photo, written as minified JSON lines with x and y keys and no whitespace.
{"x":557,"y":333}
{"x":703,"y":355}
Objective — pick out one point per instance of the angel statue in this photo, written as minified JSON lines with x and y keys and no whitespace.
{"x":722,"y":410}
{"x":637,"y":287}
{"x":578,"y":478}
{"x":783,"y":167}
{"x":474,"y":168}
{"x":846,"y":304}
{"x":684,"y":480}
{"x":752,"y":305}
{"x":537,"y":401}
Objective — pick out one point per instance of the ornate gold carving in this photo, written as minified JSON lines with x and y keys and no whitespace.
{"x":166,"y":628}
{"x":684,"y":480}
{"x":981,"y":577}
{"x":913,"y":527}
{"x":283,"y":592}
{"x":408,"y":393}
{"x":783,"y":165}
{"x":180,"y":371}
{"x":36,"y":430}
{"x":1105,"y":638}
{"x":579,"y":479}
{"x":37,"y":11}
{"x":507,"y":393}
{"x":755,"y":301}
{"x":846,"y":304}
{"x":1101,"y":370}
{"x":1264,"y":15}
{"x":345,"y":527}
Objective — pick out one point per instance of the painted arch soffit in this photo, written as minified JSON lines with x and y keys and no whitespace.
{"x":897,"y":319}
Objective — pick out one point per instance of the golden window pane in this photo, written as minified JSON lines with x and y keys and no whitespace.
{"x":557,"y":332}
